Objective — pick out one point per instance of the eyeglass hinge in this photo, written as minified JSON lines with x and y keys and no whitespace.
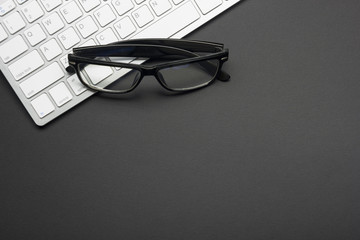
{"x":224,"y":59}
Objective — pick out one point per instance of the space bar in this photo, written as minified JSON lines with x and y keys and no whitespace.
{"x":171,"y":23}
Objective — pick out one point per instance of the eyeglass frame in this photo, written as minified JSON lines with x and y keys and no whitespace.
{"x":82,"y":55}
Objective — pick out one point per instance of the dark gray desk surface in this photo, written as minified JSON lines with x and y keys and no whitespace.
{"x":273,"y":154}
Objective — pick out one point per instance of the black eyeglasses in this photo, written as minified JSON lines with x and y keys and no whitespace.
{"x":178,"y":65}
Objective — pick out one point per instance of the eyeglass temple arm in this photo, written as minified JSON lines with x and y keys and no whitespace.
{"x":190,"y":45}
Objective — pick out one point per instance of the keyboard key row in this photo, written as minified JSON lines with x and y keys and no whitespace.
{"x":61,"y":95}
{"x":178,"y":19}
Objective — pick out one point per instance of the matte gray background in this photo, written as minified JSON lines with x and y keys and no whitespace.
{"x":272,"y":154}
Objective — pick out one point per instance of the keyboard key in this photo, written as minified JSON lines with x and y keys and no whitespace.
{"x":21,"y":1}
{"x":35,"y":34}
{"x":68,"y":38}
{"x":50,"y":4}
{"x":207,"y":6}
{"x":160,"y":6}
{"x":106,"y":37}
{"x":124,"y":27}
{"x":53,"y":23}
{"x":71,"y":12}
{"x":89,"y":5}
{"x":64,"y":61}
{"x":122,"y":6}
{"x":178,"y":19}
{"x":32,"y":11}
{"x":88,"y":43}
{"x":142,"y":16}
{"x":105,"y":15}
{"x":41,"y":79}
{"x":12,"y":48}
{"x":26,"y":65}
{"x":98,"y":73}
{"x":14,"y":22}
{"x":87,"y":26}
{"x":6,"y":7}
{"x":51,"y":49}
{"x":76,"y":85}
{"x":42,"y":105}
{"x":139,"y":1}
{"x":61,"y":94}
{"x":3,"y":34}
{"x":177,"y":1}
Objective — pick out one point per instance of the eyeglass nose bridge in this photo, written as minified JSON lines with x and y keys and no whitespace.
{"x":149,"y":70}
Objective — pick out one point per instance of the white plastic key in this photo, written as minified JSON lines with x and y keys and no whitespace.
{"x":207,"y":6}
{"x":21,"y":1}
{"x":177,"y":1}
{"x":12,"y":48}
{"x":14,"y":22}
{"x":68,"y":38}
{"x":50,"y":4}
{"x":88,"y":43}
{"x":26,"y":65}
{"x":89,"y":5}
{"x":124,"y":27}
{"x":35,"y":34}
{"x":178,"y":19}
{"x":53,"y":23}
{"x":32,"y":11}
{"x":86,"y":27}
{"x":139,"y":1}
{"x":160,"y":6}
{"x":107,"y":36}
{"x":76,"y":85}
{"x":98,"y":73}
{"x":61,"y":94}
{"x":6,"y":7}
{"x":42,"y":105}
{"x":122,"y":6}
{"x":105,"y":15}
{"x":64,"y":61}
{"x":51,"y":49}
{"x":41,"y":79}
{"x":71,"y":12}
{"x":3,"y":34}
{"x":142,"y":16}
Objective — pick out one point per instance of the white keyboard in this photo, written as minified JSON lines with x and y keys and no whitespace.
{"x":37,"y":35}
